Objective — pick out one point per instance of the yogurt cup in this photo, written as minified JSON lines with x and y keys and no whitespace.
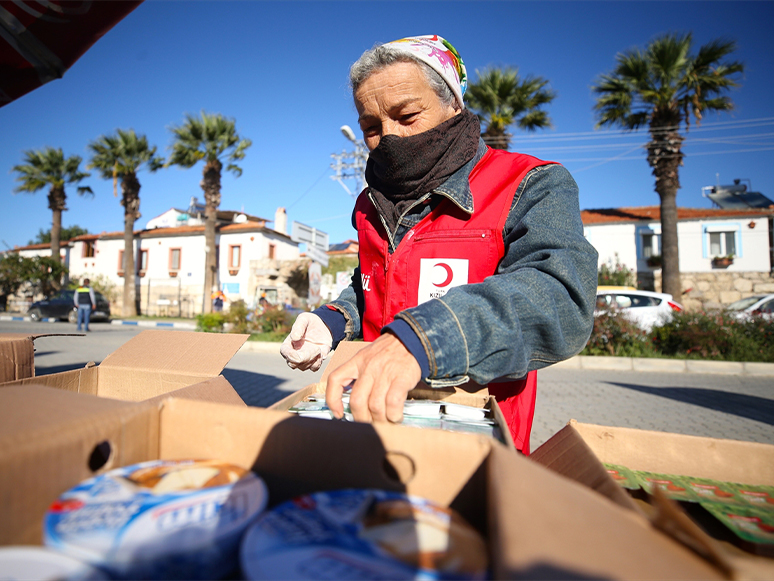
{"x":168,"y":519}
{"x":362,"y":534}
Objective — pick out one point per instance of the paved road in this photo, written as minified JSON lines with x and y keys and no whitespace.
{"x":722,"y":406}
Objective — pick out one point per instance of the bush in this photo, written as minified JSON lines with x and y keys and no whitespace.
{"x":274,"y":320}
{"x":210,"y":322}
{"x":615,"y":273}
{"x":239,"y":317}
{"x":614,"y":334}
{"x":718,"y":336}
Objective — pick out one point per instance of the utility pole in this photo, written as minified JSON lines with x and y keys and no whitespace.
{"x":350,"y":164}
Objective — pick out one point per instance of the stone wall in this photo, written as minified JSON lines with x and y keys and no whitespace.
{"x":712,"y":290}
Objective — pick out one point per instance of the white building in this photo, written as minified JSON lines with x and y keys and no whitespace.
{"x":169,"y":260}
{"x":704,"y":236}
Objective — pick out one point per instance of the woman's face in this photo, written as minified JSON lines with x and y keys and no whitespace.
{"x":397,"y":100}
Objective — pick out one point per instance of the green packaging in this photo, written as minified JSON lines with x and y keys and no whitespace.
{"x":748,"y":522}
{"x":673,"y":486}
{"x":623,"y":476}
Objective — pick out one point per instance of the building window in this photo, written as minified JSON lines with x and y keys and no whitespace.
{"x":234,"y":257}
{"x":142,"y":261}
{"x":174,"y":259}
{"x":651,"y":245}
{"x":722,"y":240}
{"x":722,"y":243}
{"x":120,"y":263}
{"x":272,"y":251}
{"x":88,"y":249}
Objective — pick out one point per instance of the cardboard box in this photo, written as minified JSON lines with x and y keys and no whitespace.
{"x":536,"y":523}
{"x":578,"y":452}
{"x":17,"y":354}
{"x":154,"y":364}
{"x":470,"y":394}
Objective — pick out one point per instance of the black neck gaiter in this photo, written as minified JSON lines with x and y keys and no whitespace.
{"x":402,"y":169}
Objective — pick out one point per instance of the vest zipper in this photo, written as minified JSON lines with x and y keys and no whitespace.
{"x":387,"y":280}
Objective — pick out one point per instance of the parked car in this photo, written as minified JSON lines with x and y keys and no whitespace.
{"x":62,"y":306}
{"x":756,"y":305}
{"x":645,"y":308}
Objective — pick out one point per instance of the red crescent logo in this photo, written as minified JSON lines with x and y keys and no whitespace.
{"x":449,"y":275}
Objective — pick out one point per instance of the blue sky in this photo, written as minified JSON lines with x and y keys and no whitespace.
{"x":280,"y":70}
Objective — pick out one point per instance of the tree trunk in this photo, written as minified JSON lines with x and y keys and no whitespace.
{"x":211,"y":187}
{"x":665,"y":157}
{"x":130,"y":200}
{"x":56,"y":203}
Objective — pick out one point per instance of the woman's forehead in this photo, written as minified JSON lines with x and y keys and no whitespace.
{"x":393,"y":85}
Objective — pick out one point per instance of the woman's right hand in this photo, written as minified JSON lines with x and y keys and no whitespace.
{"x":308,"y":344}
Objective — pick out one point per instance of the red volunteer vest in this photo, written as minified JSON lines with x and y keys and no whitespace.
{"x":448,"y":248}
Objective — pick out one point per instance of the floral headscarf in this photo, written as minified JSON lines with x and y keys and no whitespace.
{"x":439,"y":55}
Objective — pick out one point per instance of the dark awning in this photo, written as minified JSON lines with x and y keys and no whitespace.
{"x":40,"y":40}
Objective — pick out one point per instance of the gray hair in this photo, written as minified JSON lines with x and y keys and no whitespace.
{"x":381,"y":56}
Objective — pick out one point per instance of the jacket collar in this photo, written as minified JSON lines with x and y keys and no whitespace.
{"x":457,"y":187}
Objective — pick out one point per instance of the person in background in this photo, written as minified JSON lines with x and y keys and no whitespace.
{"x":472,"y":261}
{"x":85,"y":301}
{"x":218,"y":298}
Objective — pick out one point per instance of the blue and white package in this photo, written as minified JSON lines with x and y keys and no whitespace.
{"x":362,"y":534}
{"x":164,"y":519}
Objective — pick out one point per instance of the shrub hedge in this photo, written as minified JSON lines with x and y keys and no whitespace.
{"x":689,"y":335}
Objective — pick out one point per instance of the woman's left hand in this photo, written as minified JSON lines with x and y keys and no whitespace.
{"x":383,"y":373}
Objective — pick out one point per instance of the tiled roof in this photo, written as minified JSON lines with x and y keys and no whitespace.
{"x":189,"y":230}
{"x":43,"y":246}
{"x":653,"y":213}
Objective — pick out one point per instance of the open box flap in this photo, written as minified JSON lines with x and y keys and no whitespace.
{"x":552,"y":527}
{"x":215,"y":390}
{"x":183,"y":352}
{"x":667,"y":453}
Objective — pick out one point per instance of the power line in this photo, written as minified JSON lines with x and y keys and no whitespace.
{"x":309,"y":189}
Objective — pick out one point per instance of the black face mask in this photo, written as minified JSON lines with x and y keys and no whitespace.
{"x":402,"y":169}
{"x":407,"y":167}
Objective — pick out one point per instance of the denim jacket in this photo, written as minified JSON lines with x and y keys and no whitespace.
{"x":537,"y":309}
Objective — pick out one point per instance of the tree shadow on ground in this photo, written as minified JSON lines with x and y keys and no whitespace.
{"x":256,"y":389}
{"x":746,"y":406}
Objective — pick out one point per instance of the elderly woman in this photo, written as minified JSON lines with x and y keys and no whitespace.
{"x":473,"y":264}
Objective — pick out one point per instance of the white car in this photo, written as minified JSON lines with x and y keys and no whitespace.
{"x":756,"y":305}
{"x":646,"y":309}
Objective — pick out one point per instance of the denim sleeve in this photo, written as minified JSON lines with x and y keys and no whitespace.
{"x":537,"y":309}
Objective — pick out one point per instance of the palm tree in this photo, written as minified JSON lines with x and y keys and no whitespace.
{"x":661,"y":88}
{"x":48,"y":167}
{"x":121,"y":156}
{"x":212,"y":139}
{"x":501,"y":98}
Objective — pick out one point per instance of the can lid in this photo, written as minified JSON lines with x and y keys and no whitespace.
{"x":21,"y":562}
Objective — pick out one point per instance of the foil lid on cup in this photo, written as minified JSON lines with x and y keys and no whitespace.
{"x":24,"y":563}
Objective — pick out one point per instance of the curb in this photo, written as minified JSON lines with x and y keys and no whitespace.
{"x":22,"y":318}
{"x":162,"y":324}
{"x":261,"y":347}
{"x":647,"y":364}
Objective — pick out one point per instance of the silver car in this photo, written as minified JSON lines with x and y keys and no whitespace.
{"x":645,"y":308}
{"x":756,"y":305}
